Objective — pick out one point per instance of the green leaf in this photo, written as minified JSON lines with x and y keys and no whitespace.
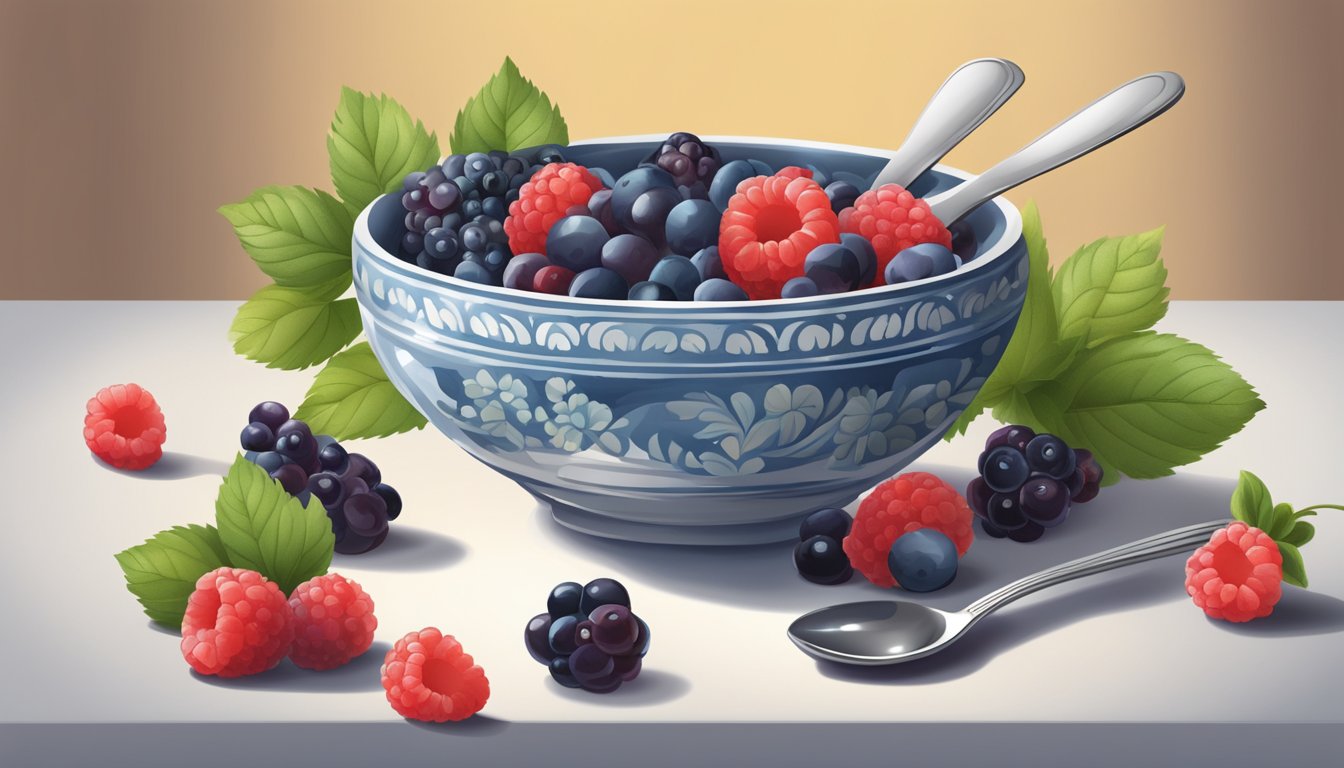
{"x":1294,"y":570}
{"x":162,"y":572}
{"x":1146,"y":403}
{"x":1280,"y":522}
{"x":1112,"y":287}
{"x":265,"y":529}
{"x":293,"y":328}
{"x":1251,"y":502}
{"x":352,"y":398}
{"x":1299,"y":535}
{"x":372,"y":145}
{"x":1034,"y":352}
{"x":508,"y":113}
{"x":298,"y":236}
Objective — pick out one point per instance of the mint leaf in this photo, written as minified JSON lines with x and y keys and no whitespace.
{"x":1111,"y":287}
{"x":299,"y":237}
{"x":1280,"y":522}
{"x":265,"y":529}
{"x":508,"y":113}
{"x":1299,"y":535}
{"x":1251,"y":502}
{"x":373,"y":144}
{"x":1146,"y":403}
{"x":292,"y":327}
{"x":162,"y":572}
{"x":1294,"y":570}
{"x":352,"y":398}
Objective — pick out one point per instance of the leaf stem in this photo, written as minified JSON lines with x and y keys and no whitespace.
{"x":1321,"y":506}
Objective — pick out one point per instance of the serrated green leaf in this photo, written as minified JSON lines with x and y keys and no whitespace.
{"x":1146,"y":403}
{"x":1294,"y":570}
{"x":372,"y":145}
{"x":508,"y":113}
{"x":293,"y":328}
{"x":1034,"y":352}
{"x":265,"y":529}
{"x":352,"y":398}
{"x":1251,"y":502}
{"x":162,"y":572}
{"x":1114,"y":286}
{"x":299,"y":237}
{"x":1299,"y":535}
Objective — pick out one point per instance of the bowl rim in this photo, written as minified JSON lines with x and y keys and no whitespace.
{"x":1011,"y":235}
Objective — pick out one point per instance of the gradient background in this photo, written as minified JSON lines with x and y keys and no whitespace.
{"x":125,"y":123}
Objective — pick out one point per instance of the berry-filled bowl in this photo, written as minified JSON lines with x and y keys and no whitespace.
{"x":695,"y":422}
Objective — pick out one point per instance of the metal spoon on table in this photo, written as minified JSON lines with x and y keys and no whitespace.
{"x":882,"y":632}
{"x":1103,"y":121}
{"x":966,"y":99}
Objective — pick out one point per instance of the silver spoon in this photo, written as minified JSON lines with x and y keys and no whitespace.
{"x":966,"y":99}
{"x":1104,"y":120}
{"x":883,"y":632}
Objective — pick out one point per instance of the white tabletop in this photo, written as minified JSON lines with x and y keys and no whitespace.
{"x":474,"y":556}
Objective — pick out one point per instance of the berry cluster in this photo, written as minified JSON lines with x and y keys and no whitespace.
{"x":348,"y":485}
{"x":238,"y":622}
{"x":1028,"y":482}
{"x":588,"y":637}
{"x":818,"y":554}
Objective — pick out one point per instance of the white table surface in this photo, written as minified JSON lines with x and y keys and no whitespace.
{"x":474,"y":556}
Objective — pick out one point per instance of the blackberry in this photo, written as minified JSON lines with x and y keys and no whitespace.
{"x":691,"y":162}
{"x":818,"y":555}
{"x":588,"y":637}
{"x":1028,"y":482}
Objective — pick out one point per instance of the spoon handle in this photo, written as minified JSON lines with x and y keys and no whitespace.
{"x":966,"y":99}
{"x":1163,"y":544}
{"x":1104,"y":120}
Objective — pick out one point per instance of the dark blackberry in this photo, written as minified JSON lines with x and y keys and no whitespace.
{"x":1028,"y":482}
{"x":691,"y":162}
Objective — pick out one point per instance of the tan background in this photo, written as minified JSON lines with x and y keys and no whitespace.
{"x":124,"y":124}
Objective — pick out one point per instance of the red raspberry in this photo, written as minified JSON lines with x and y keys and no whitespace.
{"x":544,"y":200}
{"x":794,"y":172}
{"x":1237,"y":576}
{"x":771,"y":224}
{"x":237,"y":623}
{"x":429,"y":677}
{"x":333,"y":622}
{"x":124,"y":427}
{"x":893,"y":219}
{"x":900,"y":505}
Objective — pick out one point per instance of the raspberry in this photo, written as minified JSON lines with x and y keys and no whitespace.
{"x":794,"y":172}
{"x":893,"y":219}
{"x":333,"y":622}
{"x":544,"y":200}
{"x":1237,"y":576}
{"x":124,"y":427}
{"x":771,"y":224}
{"x":900,"y":505}
{"x":429,"y":677}
{"x":237,"y":623}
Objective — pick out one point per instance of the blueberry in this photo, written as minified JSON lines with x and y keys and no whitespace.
{"x":692,"y":225}
{"x":918,"y":262}
{"x":798,"y":288}
{"x":651,"y":291}
{"x":821,"y":560}
{"x":648,"y":214}
{"x":257,"y":437}
{"x":861,"y":182}
{"x":599,"y":207}
{"x":495,"y":208}
{"x":833,"y":267}
{"x":842,"y":195}
{"x":923,"y":560}
{"x":575,"y":242}
{"x":474,"y":236}
{"x":494,"y":183}
{"x":454,"y":165}
{"x":537,"y":638}
{"x":677,"y":273}
{"x":522,"y":270}
{"x":604,"y":176}
{"x":564,"y":599}
{"x":269,"y":460}
{"x":863,"y":249}
{"x":630,"y":256}
{"x":718,"y":289}
{"x":445,"y":196}
{"x":760,"y":167}
{"x":441,"y":266}
{"x":1004,"y":469}
{"x":1051,"y":456}
{"x":474,"y":272}
{"x":598,"y":283}
{"x":709,"y":264}
{"x":603,"y":592}
{"x":964,"y":243}
{"x":630,"y":186}
{"x":412,"y":243}
{"x":724,"y":186}
{"x":476,"y":165}
{"x":441,"y":243}
{"x":472,"y":208}
{"x":830,"y":522}
{"x":496,"y":258}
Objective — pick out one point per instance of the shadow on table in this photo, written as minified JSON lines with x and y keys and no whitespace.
{"x":653,"y":686}
{"x":1299,"y":613}
{"x":476,"y":725}
{"x":173,"y":466}
{"x":408,"y":549}
{"x":361,"y":674}
{"x":764,"y":577}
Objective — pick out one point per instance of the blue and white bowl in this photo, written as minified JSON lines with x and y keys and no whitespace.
{"x":693,"y":422}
